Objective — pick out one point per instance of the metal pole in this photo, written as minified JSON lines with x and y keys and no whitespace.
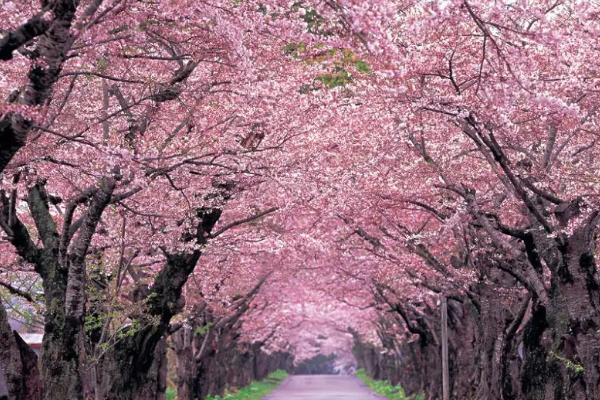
{"x":445,"y":372}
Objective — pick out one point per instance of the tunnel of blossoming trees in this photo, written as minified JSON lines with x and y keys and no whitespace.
{"x":194,"y":194}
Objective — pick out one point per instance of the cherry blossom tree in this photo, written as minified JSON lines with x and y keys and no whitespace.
{"x":305,"y":176}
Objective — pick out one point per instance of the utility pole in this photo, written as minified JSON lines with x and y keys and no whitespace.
{"x":445,"y":372}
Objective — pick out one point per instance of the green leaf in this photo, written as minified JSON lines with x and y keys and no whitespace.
{"x":362,"y":66}
{"x":202,"y":330}
{"x":294,"y":49}
{"x":337,"y":79}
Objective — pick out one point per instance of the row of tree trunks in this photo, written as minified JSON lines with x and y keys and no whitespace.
{"x":485,"y":349}
{"x":236,"y":367}
{"x":503,"y":344}
{"x":131,"y":369}
{"x":229,"y":364}
{"x":496,"y":352}
{"x":528,"y":329}
{"x":209,"y":364}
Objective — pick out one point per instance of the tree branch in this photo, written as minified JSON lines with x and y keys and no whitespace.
{"x":244,"y":221}
{"x":74,"y":297}
{"x":17,"y":291}
{"x":37,"y":200}
{"x":31,"y":29}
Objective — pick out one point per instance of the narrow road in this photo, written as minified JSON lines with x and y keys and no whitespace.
{"x":322,"y":387}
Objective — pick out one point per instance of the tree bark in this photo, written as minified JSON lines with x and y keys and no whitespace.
{"x":130,"y":364}
{"x":563,"y":346}
{"x":61,"y":369}
{"x":62,"y":269}
{"x":19,"y":375}
{"x":185,"y":363}
{"x":51,"y":50}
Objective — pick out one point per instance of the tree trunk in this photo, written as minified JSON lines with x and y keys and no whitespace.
{"x":186,"y":365}
{"x":135,"y":369}
{"x":61,"y":369}
{"x":19,"y":375}
{"x":133,"y":361}
{"x":563,"y":357}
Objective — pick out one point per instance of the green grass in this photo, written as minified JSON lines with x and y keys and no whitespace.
{"x":384,"y":388}
{"x":256,"y":390}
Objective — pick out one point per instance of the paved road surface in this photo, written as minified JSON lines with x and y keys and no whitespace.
{"x":322,"y":387}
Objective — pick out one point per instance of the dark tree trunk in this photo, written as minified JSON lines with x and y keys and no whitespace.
{"x":563,"y":345}
{"x":154,"y":386}
{"x":62,"y":268}
{"x":185,"y":363}
{"x":61,"y":347}
{"x":126,"y":369}
{"x":135,"y":369}
{"x":52,"y":50}
{"x":19,"y":375}
{"x":483,"y":330}
{"x":232,"y":364}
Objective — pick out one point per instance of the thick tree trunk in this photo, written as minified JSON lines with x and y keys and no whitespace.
{"x":563,"y":345}
{"x":61,"y":369}
{"x":136,"y":368}
{"x":19,"y":375}
{"x":155,"y":385}
{"x":135,"y":359}
{"x":127,"y":368}
{"x":575,"y":319}
{"x":185,"y":363}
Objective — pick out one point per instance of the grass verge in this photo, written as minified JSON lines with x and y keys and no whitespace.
{"x":384,"y":388}
{"x":256,"y":390}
